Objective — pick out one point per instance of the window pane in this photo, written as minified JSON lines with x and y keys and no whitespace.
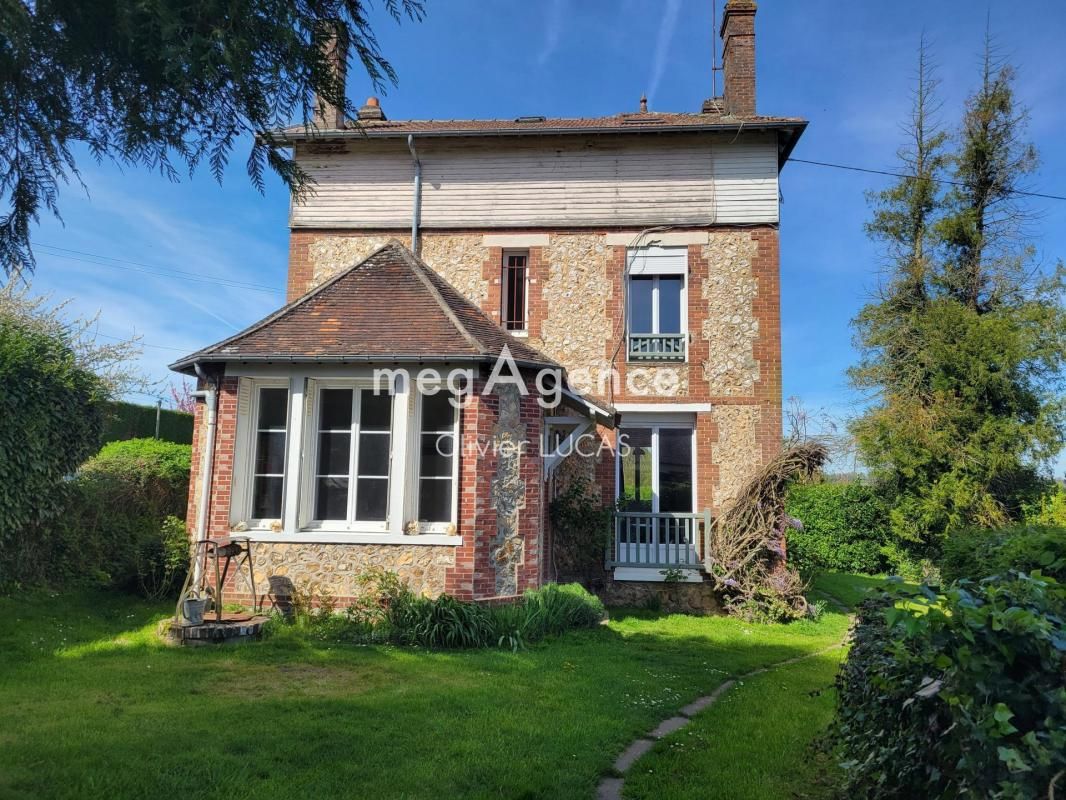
{"x":514,"y":292}
{"x":372,"y":499}
{"x":636,"y":467}
{"x":435,"y":500}
{"x":376,"y":412}
{"x":640,"y":298}
{"x":436,"y":454}
{"x":669,"y":304}
{"x":675,"y":470}
{"x":438,"y":414}
{"x":266,"y":498}
{"x":273,"y":408}
{"x":332,"y":502}
{"x":334,"y":452}
{"x":270,"y":453}
{"x":373,"y":454}
{"x":335,"y":411}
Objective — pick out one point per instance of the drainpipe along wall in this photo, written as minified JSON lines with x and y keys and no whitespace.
{"x":207,"y":461}
{"x":416,"y":212}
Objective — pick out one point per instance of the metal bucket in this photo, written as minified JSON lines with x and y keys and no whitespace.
{"x":193,"y":610}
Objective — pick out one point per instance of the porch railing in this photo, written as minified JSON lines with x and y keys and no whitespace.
{"x":659,"y":541}
{"x":657,"y":347}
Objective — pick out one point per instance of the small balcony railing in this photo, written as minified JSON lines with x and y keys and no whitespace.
{"x":659,"y":541}
{"x":657,"y":347}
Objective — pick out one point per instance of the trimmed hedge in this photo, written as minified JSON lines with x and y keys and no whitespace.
{"x":845,"y":528}
{"x":958,"y":695}
{"x":978,"y":553}
{"x":132,"y":421}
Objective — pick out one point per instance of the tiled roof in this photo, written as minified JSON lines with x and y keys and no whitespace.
{"x":616,"y":123}
{"x":389,"y":308}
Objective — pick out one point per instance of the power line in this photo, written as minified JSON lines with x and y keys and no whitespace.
{"x":913,"y":177}
{"x":142,"y":344}
{"x":151,"y":269}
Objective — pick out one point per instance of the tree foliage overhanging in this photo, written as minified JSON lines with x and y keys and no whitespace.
{"x":163,"y":84}
{"x":964,"y":348}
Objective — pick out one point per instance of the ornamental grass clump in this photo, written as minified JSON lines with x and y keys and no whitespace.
{"x":747,"y":545}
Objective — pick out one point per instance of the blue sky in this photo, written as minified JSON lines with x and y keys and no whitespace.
{"x":846,"y":66}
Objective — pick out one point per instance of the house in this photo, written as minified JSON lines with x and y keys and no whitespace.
{"x":626,"y":269}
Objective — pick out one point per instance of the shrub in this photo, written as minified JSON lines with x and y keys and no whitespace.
{"x":50,"y":421}
{"x":1048,"y":509}
{"x":955,"y":695}
{"x":978,"y":553}
{"x":845,"y":528}
{"x":554,"y":609}
{"x":131,"y":421}
{"x":114,"y":524}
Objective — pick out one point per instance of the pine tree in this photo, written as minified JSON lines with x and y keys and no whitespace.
{"x":965,"y":348}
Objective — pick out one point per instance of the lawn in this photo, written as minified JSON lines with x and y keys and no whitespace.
{"x":94,"y":705}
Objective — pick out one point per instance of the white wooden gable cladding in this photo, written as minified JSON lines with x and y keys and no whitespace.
{"x":545,"y":182}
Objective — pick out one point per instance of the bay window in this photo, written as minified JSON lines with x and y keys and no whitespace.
{"x":271,"y":413}
{"x":438,"y":460}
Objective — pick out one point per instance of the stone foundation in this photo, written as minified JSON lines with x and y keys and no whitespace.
{"x":333,"y":568}
{"x":674,"y":598}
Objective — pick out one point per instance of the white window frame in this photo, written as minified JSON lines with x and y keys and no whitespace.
{"x":247,"y":440}
{"x":310,"y":462}
{"x":415,"y":460}
{"x":655,"y":427}
{"x":654,"y":262}
{"x":524,"y":330}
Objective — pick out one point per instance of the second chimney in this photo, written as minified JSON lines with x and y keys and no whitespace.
{"x":738,"y":58}
{"x":327,"y":115}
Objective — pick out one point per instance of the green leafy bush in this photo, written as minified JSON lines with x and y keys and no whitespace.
{"x":131,"y":421}
{"x":50,"y":422}
{"x":955,"y":695}
{"x":1048,"y":509}
{"x":845,"y":528}
{"x":977,"y":553}
{"x":114,"y":526}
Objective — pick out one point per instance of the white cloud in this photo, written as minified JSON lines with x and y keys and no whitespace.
{"x":553,"y":31}
{"x":662,"y":45}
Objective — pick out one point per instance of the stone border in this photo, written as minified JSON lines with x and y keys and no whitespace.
{"x":610,"y":788}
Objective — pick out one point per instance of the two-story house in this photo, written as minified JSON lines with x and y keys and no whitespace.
{"x":631,"y":259}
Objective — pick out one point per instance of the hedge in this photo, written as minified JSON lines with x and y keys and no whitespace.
{"x":845,"y":527}
{"x":978,"y":553}
{"x":131,"y":421}
{"x":958,"y":695}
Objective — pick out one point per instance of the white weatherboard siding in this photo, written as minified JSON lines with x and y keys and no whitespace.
{"x":546,"y":182}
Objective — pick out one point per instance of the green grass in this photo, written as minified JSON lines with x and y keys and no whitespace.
{"x":756,"y":742}
{"x":94,"y":705}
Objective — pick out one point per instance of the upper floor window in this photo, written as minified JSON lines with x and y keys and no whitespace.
{"x":656,"y":301}
{"x":513,"y":290}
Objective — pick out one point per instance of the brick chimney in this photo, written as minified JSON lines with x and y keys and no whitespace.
{"x":328,"y":116}
{"x":738,"y":57}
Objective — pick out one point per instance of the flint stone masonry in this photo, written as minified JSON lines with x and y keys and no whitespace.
{"x":683,"y":598}
{"x":508,"y":491}
{"x":458,"y":258}
{"x":333,"y":568}
{"x":736,"y":451}
{"x":576,"y":295}
{"x":730,"y":327}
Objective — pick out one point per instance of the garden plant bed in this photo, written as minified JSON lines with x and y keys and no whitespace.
{"x":90,"y":689}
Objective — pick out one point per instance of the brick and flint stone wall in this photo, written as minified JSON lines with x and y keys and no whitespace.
{"x":501,"y":504}
{"x":576,"y":315}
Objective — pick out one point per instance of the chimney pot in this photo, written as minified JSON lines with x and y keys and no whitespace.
{"x":644,"y":104}
{"x":738,"y":58}
{"x":371,"y":110}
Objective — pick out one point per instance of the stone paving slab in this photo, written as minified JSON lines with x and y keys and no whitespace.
{"x":610,"y":789}
{"x":632,"y":753}
{"x":668,"y":726}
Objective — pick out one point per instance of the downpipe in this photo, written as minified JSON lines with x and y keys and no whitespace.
{"x":416,"y":212}
{"x":207,"y":462}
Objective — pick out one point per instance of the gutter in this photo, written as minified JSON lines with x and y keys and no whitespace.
{"x":416,"y":212}
{"x":224,"y":358}
{"x":207,"y":462}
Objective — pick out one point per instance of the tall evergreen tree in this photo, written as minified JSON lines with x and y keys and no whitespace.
{"x":964,"y":350}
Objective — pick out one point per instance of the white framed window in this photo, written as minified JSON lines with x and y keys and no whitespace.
{"x":656,"y":469}
{"x":349,"y":464}
{"x":514,"y":291}
{"x":262,"y":451}
{"x":657,"y":303}
{"x":436,"y":462}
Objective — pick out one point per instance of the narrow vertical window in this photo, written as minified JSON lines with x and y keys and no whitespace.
{"x":375,"y":447}
{"x":334,"y":454}
{"x":271,"y":428}
{"x":438,"y":454}
{"x":513,"y":291}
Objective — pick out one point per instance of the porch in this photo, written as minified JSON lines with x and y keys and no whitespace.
{"x":645,"y":545}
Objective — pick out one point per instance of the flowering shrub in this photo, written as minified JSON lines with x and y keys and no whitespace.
{"x":955,"y":695}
